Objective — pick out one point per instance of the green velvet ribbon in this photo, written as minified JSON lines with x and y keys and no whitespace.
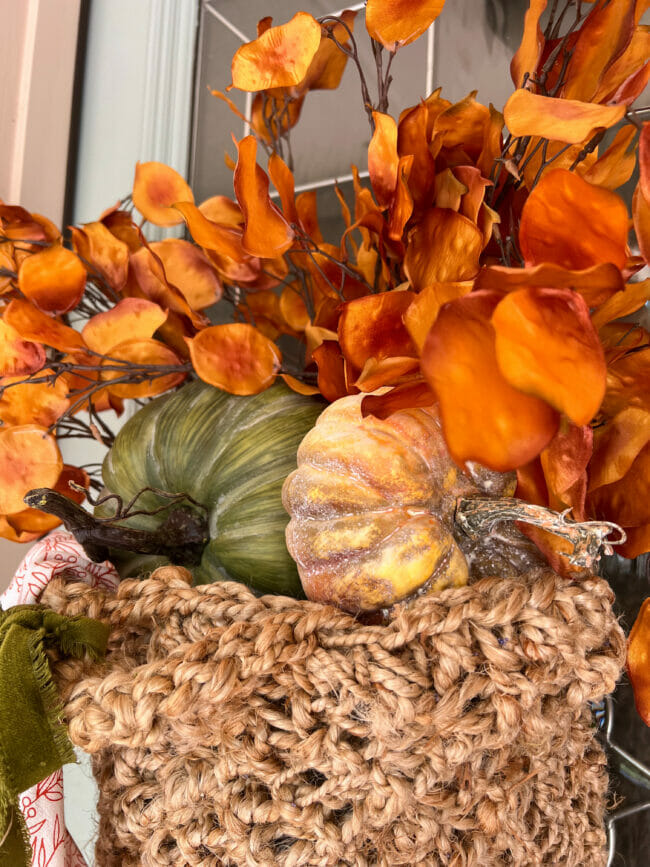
{"x":33,"y":740}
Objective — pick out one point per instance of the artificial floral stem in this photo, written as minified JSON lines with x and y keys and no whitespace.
{"x":181,"y":537}
{"x":477,"y":515}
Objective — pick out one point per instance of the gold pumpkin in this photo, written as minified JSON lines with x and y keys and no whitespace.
{"x":372,"y":507}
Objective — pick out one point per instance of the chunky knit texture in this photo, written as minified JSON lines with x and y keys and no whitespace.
{"x":233,"y":730}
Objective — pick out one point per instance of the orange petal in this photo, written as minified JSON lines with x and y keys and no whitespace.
{"x":53,"y":279}
{"x":372,"y":327}
{"x":413,"y":140}
{"x":595,"y":284}
{"x":136,"y":317}
{"x":18,"y":357}
{"x":474,"y":194}
{"x":235,"y":357}
{"x":484,"y":418}
{"x":224,"y":238}
{"x":31,"y":324}
{"x":383,"y":158}
{"x":423,"y":310}
{"x":566,"y":120}
{"x":411,"y":394}
{"x":29,"y":458}
{"x":327,"y":67}
{"x":615,"y":167}
{"x":625,"y":501}
{"x":190,"y":271}
{"x":222,"y":210}
{"x":399,"y":22}
{"x":448,"y":190}
{"x":156,"y":188}
{"x":464,"y":125}
{"x":401,"y":207}
{"x":332,"y":382}
{"x":280,"y":57}
{"x":307,"y":210}
{"x":104,"y":254}
{"x":628,"y":75}
{"x":562,"y":201}
{"x":546,"y":346}
{"x":386,"y":371}
{"x":532,"y":42}
{"x":638,"y":661}
{"x":601,"y":39}
{"x":444,"y":247}
{"x":120,"y":224}
{"x":142,"y":352}
{"x":267,"y":234}
{"x":298,"y":386}
{"x":149,"y":275}
{"x":644,"y":161}
{"x":641,"y":216}
{"x":631,"y":299}
{"x":618,"y":445}
{"x":564,"y":462}
{"x":39,"y":403}
{"x":283,"y":180}
{"x":293,"y":308}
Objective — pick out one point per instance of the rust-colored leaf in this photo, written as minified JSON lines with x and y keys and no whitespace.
{"x":595,"y":284}
{"x":615,"y":167}
{"x":33,"y":325}
{"x":411,"y":394}
{"x":235,"y":357}
{"x":372,"y":327}
{"x":283,"y":180}
{"x":32,"y":523}
{"x":104,"y":255}
{"x":562,"y":201}
{"x":413,"y":140}
{"x":625,"y":501}
{"x":532,"y":42}
{"x":39,"y":403}
{"x":444,"y":247}
{"x":156,"y":188}
{"x":485,"y":419}
{"x":463,"y":127}
{"x":293,"y":308}
{"x":266,"y":234}
{"x":631,"y":299}
{"x":53,"y":279}
{"x":332,"y":382}
{"x":327,"y":67}
{"x":224,"y":238}
{"x":385,"y":371}
{"x":399,"y":22}
{"x":627,"y":77}
{"x":638,"y":661}
{"x":29,"y":458}
{"x":383,"y":158}
{"x":187,"y":268}
{"x":280,"y":57}
{"x":140,"y":353}
{"x":18,"y":357}
{"x":566,"y":120}
{"x":618,"y":444}
{"x":298,"y":386}
{"x":401,"y":207}
{"x":221,"y":210}
{"x":273,"y":117}
{"x":423,"y":310}
{"x":448,"y":190}
{"x":546,"y":346}
{"x":135,"y":317}
{"x":150,"y":280}
{"x":565,"y":462}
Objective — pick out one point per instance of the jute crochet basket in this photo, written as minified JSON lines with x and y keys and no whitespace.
{"x":231,"y":730}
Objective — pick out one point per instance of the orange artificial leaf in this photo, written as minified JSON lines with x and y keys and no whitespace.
{"x":315,"y":336}
{"x":595,"y":284}
{"x":641,"y":198}
{"x":628,"y":75}
{"x":221,"y":210}
{"x":385,"y":371}
{"x":372,"y":327}
{"x":602,"y":38}
{"x":136,"y":317}
{"x":280,"y":57}
{"x":293,"y":308}
{"x":187,"y":268}
{"x":631,"y":299}
{"x":566,"y":120}
{"x":262,"y":309}
{"x":564,"y":462}
{"x":104,"y":255}
{"x":423,"y":310}
{"x":332,"y":382}
{"x":32,"y":523}
{"x":283,"y":181}
{"x":410,"y":394}
{"x":156,"y":188}
{"x":618,"y":444}
{"x":149,"y":279}
{"x":53,"y":279}
{"x":485,"y":419}
{"x":33,"y":325}
{"x":464,"y":126}
{"x":637,"y":543}
{"x":298,"y":386}
{"x":626,"y":501}
{"x":532,"y":42}
{"x":644,"y":161}
{"x":29,"y":458}
{"x":327,"y":67}
{"x":235,"y":357}
{"x":443,"y":247}
{"x":142,"y":353}
{"x":638,"y":661}
{"x":18,"y":357}
{"x":224,"y":238}
{"x":383,"y":158}
{"x":448,"y":190}
{"x":39,"y":403}
{"x":475,"y":185}
{"x":272,"y":118}
{"x":307,"y":211}
{"x":492,"y":142}
{"x":413,"y":140}
{"x":266,"y":234}
{"x":615,"y":167}
{"x":546,"y":346}
{"x":558,"y":156}
{"x":561,"y":202}
{"x":401,"y":206}
{"x":394,"y":23}
{"x":120,"y":224}
{"x":7,"y":531}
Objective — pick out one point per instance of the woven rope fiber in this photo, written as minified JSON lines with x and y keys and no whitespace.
{"x":227,"y":729}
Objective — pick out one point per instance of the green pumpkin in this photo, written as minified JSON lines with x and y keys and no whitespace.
{"x":231,"y":454}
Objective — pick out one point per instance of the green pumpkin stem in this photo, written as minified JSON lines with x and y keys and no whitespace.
{"x":181,"y":537}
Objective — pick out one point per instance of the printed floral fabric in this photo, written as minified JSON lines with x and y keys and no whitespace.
{"x":42,"y":805}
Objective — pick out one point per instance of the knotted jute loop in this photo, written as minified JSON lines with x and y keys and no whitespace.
{"x":232,"y":730}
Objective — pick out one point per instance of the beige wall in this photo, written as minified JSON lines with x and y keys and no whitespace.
{"x":39,"y":39}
